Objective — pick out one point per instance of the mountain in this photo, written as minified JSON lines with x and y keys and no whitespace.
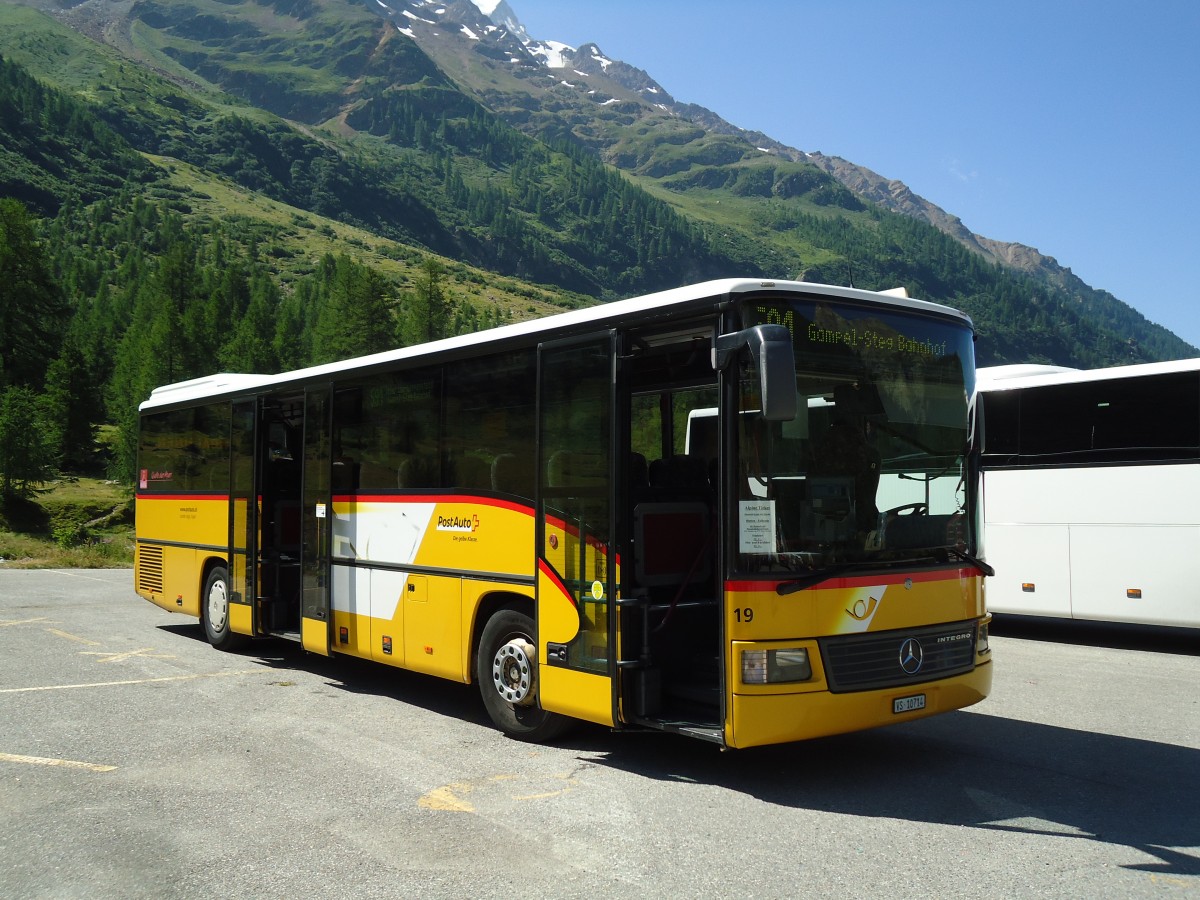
{"x":590,"y":61}
{"x":587,"y":71}
{"x":538,"y":175}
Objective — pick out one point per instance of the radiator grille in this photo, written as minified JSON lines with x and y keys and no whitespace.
{"x":862,"y":662}
{"x":150,"y":569}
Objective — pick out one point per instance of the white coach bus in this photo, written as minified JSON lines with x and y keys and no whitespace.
{"x":1091,"y":491}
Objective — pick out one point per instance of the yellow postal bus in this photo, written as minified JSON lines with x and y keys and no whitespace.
{"x":516,"y":509}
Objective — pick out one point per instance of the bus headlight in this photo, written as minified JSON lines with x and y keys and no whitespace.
{"x":981,"y":642}
{"x":774,"y":666}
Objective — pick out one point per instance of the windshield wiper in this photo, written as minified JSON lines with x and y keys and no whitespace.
{"x":811,"y":579}
{"x":973,"y":560}
{"x":817,"y":576}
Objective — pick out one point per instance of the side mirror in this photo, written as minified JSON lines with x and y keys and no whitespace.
{"x":771,"y":348}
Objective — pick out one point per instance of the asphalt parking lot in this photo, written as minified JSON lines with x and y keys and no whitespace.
{"x":136,"y":761}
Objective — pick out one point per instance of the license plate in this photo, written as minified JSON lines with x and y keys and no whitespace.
{"x":908,"y":704}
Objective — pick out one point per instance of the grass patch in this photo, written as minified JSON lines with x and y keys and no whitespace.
{"x":73,"y":523}
{"x":20,"y":551}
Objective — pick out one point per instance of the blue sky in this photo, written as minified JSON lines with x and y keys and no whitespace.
{"x":1069,"y":126}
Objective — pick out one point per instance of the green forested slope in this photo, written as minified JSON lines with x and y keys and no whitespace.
{"x":211,"y":190}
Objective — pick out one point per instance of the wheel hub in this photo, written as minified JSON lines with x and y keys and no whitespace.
{"x":513,"y":671}
{"x":218,"y":605}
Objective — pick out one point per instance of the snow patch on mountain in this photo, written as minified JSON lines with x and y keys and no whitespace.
{"x":498,"y":12}
{"x":603,"y":61}
{"x":552,"y":53}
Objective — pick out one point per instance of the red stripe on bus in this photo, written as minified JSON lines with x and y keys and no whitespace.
{"x":182,"y":496}
{"x":546,"y":569}
{"x":434,"y":498}
{"x":858,"y":581}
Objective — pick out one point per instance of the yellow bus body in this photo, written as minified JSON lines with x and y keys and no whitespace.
{"x":775,"y":713}
{"x":170,"y":573}
{"x":428,"y":622}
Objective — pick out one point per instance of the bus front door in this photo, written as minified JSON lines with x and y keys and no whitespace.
{"x":316,"y":523}
{"x":577,"y":563}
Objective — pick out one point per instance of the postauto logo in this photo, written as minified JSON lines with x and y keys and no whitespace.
{"x":463,"y":523}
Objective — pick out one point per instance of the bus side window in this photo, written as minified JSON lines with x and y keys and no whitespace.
{"x":345,"y":474}
{"x":512,"y":474}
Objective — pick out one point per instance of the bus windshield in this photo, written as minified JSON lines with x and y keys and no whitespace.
{"x":871,"y":471}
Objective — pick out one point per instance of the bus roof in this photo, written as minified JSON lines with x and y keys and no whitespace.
{"x":1012,"y":377}
{"x":704,"y":295}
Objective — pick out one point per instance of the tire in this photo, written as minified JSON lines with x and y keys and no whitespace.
{"x":503,"y":665}
{"x":215,"y":611}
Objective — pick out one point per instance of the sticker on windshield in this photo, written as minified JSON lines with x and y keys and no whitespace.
{"x":757,"y":519}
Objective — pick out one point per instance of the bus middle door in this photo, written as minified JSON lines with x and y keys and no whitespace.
{"x":243,"y":518}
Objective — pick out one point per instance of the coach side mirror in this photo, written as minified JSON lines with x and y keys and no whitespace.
{"x":770,"y":347}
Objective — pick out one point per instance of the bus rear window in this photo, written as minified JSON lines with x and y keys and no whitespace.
{"x":185,"y":450}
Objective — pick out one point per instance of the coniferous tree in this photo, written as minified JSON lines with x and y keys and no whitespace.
{"x":97,"y":330}
{"x":356,"y":318}
{"x":27,"y":457}
{"x":287,"y":340}
{"x":226,"y":306}
{"x":161,"y":346}
{"x":428,"y":313}
{"x":250,"y":349}
{"x":32,"y":308}
{"x":135,"y":373}
{"x":176,"y":320}
{"x":72,"y":405}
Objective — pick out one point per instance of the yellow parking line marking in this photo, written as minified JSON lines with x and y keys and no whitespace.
{"x":95,"y":684}
{"x":128,"y":654}
{"x":24,"y":621}
{"x":569,"y":784}
{"x":73,"y":637}
{"x":543,"y":796}
{"x":62,"y":763}
{"x":452,"y":797}
{"x":1155,"y":878}
{"x":447,"y":799}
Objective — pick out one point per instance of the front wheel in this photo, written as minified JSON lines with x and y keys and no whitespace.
{"x":506,"y":669}
{"x":216,"y":611}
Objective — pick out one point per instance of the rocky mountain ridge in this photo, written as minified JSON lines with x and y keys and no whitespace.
{"x":590,"y":60}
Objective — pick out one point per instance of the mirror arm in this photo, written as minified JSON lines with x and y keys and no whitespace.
{"x":771,"y":348}
{"x":726,"y":347}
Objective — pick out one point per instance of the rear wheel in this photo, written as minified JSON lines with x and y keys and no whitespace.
{"x":506,"y":669}
{"x":216,"y":611}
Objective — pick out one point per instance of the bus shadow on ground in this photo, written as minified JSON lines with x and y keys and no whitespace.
{"x":357,"y":676}
{"x":1114,"y":635}
{"x":968,"y":769}
{"x":963,"y":768}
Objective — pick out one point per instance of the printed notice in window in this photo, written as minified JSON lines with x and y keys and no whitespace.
{"x":757,"y":526}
